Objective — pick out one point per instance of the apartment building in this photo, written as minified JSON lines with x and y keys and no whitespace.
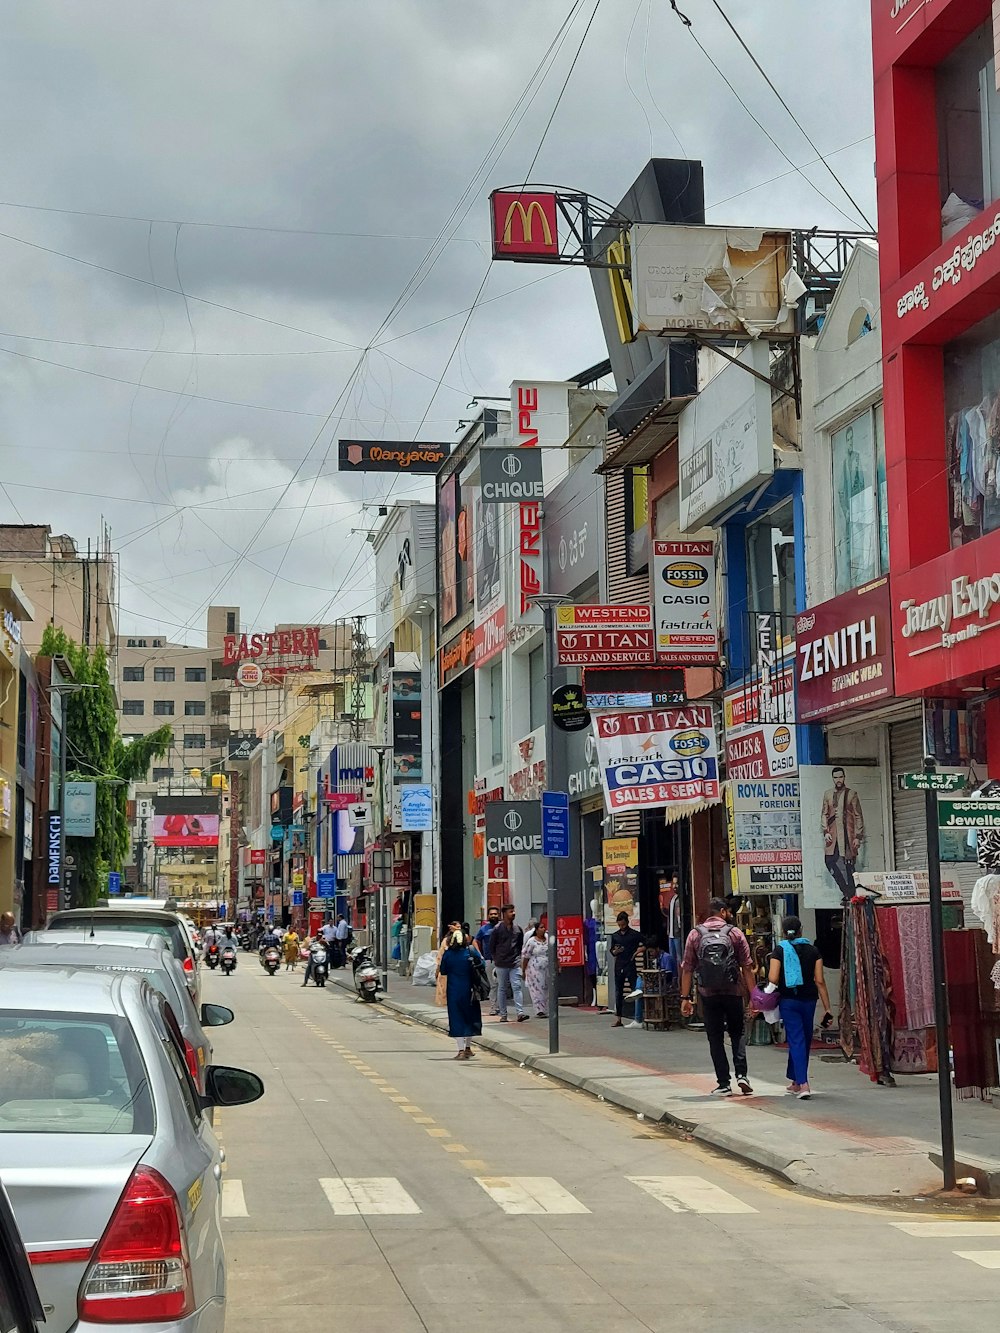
{"x":69,"y":588}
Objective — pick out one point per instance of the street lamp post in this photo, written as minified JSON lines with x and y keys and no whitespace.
{"x":378,"y":858}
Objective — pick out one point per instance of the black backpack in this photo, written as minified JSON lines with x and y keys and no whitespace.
{"x":717,"y":965}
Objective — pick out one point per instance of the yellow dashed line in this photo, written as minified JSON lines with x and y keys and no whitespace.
{"x":423,"y":1120}
{"x":454,"y":1147}
{"x":410,"y":1110}
{"x":473,"y":1164}
{"x":438,"y":1133}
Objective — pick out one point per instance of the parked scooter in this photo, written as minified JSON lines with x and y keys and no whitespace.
{"x":227,"y":960}
{"x":270,"y":959}
{"x":212,"y":955}
{"x":366,"y":981}
{"x":319,"y":964}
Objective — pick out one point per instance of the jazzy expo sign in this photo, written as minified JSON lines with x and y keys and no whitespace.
{"x":665,"y":757}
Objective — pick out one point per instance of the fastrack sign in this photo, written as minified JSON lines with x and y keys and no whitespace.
{"x":687,"y":623}
{"x":666,"y":757}
{"x":280,"y":643}
{"x":844,"y":653}
{"x":599,"y":635}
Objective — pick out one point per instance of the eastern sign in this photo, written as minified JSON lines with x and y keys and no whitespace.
{"x":510,"y":475}
{"x":525,"y":225}
{"x":970,"y":813}
{"x":569,"y":708}
{"x":279,"y":643}
{"x":513,"y":828}
{"x":605,"y":635}
{"x":555,"y":823}
{"x":392,"y":456}
{"x":684,"y":603}
{"x":664,"y":758}
{"x":844,"y":653}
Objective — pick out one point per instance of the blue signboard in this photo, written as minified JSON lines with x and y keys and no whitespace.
{"x":555,"y":823}
{"x":114,"y":882}
{"x":277,"y":832}
{"x":326,"y":884}
{"x":296,"y":897}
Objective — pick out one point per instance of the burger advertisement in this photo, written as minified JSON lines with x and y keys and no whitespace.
{"x":620,"y":858}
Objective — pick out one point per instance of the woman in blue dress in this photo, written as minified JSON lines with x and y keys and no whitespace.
{"x":465,"y":1016}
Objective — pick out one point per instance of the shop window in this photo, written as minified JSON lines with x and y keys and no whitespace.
{"x":771,"y":562}
{"x":496,"y":713}
{"x":536,"y":688}
{"x":860,"y":507}
{"x":972,"y":407}
{"x":133,"y":673}
{"x":968,"y":120}
{"x":194,"y":740}
{"x":164,"y":675}
{"x":194,"y":675}
{"x":637,"y":519}
{"x":230,"y":622}
{"x":162,"y":774}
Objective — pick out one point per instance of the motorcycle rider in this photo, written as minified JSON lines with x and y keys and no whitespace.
{"x":319,"y":941}
{"x":209,"y":936}
{"x":268,"y":939}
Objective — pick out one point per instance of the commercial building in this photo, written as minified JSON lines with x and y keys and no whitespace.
{"x":74,"y":591}
{"x":18,"y":728}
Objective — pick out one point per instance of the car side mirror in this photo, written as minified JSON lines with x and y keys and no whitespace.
{"x":215,"y":1015}
{"x":226,"y":1086}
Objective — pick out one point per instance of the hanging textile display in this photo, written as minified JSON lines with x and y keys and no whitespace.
{"x":974,"y":1010}
{"x":986,"y":905}
{"x":905,"y":934}
{"x":865,"y":993}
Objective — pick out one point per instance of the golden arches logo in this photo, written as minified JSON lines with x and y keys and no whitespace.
{"x":527,"y":225}
{"x":619,"y":260}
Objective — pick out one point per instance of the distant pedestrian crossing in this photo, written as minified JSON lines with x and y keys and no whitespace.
{"x":945,"y":1229}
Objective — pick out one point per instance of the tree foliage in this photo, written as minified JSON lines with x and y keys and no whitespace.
{"x":96,"y":752}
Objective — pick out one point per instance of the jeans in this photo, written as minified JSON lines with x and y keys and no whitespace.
{"x":625,"y":978}
{"x":494,"y":1008}
{"x":797,"y":1017}
{"x":842,"y":871}
{"x":509,"y":976}
{"x":722,"y":1012}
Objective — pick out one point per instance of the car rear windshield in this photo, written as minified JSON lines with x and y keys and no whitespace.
{"x":71,"y":1074}
{"x":130,"y":925}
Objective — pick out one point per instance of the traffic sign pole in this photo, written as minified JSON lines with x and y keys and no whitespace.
{"x":548,"y":604}
{"x":939,"y":979}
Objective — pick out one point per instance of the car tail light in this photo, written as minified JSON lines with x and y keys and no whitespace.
{"x":140,"y":1273}
{"x":189,"y":965}
{"x":191,"y":1056}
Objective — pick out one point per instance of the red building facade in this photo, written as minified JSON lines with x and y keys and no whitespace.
{"x":937,"y":135}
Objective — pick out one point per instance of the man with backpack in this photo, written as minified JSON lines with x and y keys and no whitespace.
{"x":719,"y":955}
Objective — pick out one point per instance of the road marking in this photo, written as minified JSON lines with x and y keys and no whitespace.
{"x":423,"y":1120}
{"x":530,"y":1194}
{"x":398,"y":1098}
{"x":454,"y":1147}
{"x":690,"y":1194}
{"x":474,"y":1164}
{"x":984,"y":1258}
{"x":411,"y":1109}
{"x":368,"y":1196}
{"x":439,"y":1134}
{"x":932,"y":1229}
{"x":233,"y":1202}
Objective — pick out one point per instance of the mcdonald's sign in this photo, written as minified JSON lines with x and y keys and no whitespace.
{"x":525,"y":226}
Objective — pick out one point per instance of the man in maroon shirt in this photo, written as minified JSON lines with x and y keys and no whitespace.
{"x":719,"y":955}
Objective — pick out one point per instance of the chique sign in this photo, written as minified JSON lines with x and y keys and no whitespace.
{"x":513,"y":828}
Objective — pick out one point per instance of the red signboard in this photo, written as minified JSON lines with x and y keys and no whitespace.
{"x":489,"y":636}
{"x":524,"y":225}
{"x":185,"y":830}
{"x":496,"y":867}
{"x":605,"y":636}
{"x":341,"y":800}
{"x":844,"y":653}
{"x":283,"y":643}
{"x":569,"y":941}
{"x":258,"y":856}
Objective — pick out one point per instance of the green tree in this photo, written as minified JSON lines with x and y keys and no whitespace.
{"x":96,"y":752}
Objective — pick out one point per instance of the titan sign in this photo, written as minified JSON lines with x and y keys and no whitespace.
{"x":525,"y":226}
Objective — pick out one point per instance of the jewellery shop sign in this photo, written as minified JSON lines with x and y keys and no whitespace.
{"x":659,"y":758}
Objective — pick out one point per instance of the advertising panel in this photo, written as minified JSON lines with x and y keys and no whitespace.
{"x":619,"y":635}
{"x":571,"y":530}
{"x":490,"y":632}
{"x":569,"y":941}
{"x":448,"y":545}
{"x":279,"y":643}
{"x":391,"y":456}
{"x":664,"y":758}
{"x":620,"y":858}
{"x":81,"y":809}
{"x":684,"y":603}
{"x":725,"y":444}
{"x":765,"y":836}
{"x":416,"y":808}
{"x":407,"y":726}
{"x":513,"y":828}
{"x":525,"y":225}
{"x":539,"y":415}
{"x":183,"y":829}
{"x":841,"y":829}
{"x":756,"y":749}
{"x":844,"y":653}
{"x":711,"y":280}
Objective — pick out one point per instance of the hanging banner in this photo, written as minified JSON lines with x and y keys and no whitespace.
{"x":620,"y":859}
{"x":665,"y":757}
{"x":684,"y":603}
{"x":81,"y":809}
{"x":765,"y":836}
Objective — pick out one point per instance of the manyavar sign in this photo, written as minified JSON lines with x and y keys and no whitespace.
{"x":391,"y":456}
{"x":525,"y":225}
{"x":280,"y":643}
{"x":844,"y":653}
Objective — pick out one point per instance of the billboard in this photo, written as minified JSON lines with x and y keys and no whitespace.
{"x":724,"y":442}
{"x":665,"y":757}
{"x":710,"y":280}
{"x":539,"y":418}
{"x":604,"y":635}
{"x":841,"y":829}
{"x":620,"y":859}
{"x":525,"y":225}
{"x":844,"y":653}
{"x":490,"y":632}
{"x":765,"y":836}
{"x":407,"y":726}
{"x":185,"y":821}
{"x":572,"y":526}
{"x":81,"y":809}
{"x":391,"y":456}
{"x":684,"y":603}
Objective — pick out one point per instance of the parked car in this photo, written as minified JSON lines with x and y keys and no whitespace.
{"x":113,"y":1171}
{"x":20,"y":1305}
{"x":144,"y":955}
{"x":150,"y":920}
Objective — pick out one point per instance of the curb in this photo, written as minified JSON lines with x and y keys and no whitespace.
{"x":825,"y":1163}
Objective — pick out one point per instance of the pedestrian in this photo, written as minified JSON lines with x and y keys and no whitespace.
{"x":719,"y":955}
{"x":9,"y":933}
{"x":796,"y":970}
{"x":465,"y":1015}
{"x":483,"y":937}
{"x":535,"y":968}
{"x":441,"y":990}
{"x":622,"y":946}
{"x":507,"y":941}
{"x":339,"y":942}
{"x":290,"y":948}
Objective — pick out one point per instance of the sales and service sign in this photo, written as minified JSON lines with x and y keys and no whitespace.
{"x":415,"y":456}
{"x":844,"y":653}
{"x":525,"y":225}
{"x":758,"y":749}
{"x":600,"y":635}
{"x":665,"y":757}
{"x":687,"y":620}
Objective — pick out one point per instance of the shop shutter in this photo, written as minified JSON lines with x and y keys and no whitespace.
{"x":906,"y":753}
{"x":622,"y":586}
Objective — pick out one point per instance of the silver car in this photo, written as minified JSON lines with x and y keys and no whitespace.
{"x":112,"y":1169}
{"x":145,"y":921}
{"x":145,"y":955}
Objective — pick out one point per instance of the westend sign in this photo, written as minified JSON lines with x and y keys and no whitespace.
{"x":597,"y":635}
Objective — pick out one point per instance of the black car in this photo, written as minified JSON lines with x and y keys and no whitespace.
{"x":20,"y":1308}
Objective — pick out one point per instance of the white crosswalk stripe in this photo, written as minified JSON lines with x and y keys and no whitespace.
{"x":530,"y":1194}
{"x":951,"y":1230}
{"x":233,"y":1202}
{"x":690,"y":1194}
{"x":984,"y":1258}
{"x":368,"y":1196}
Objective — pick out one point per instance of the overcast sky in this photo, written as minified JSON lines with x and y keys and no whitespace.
{"x":295,"y":160}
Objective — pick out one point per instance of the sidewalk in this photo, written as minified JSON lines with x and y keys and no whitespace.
{"x":853,"y":1138}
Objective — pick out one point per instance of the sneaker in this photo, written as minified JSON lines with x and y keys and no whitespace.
{"x":743,"y":1083}
{"x":633,"y":994}
{"x":804,"y":1096}
{"x":723,"y":1090}
{"x":634,"y":1024}
{"x":523,"y":1018}
{"x":504,"y":1018}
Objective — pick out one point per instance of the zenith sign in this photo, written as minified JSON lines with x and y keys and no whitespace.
{"x":605,"y":636}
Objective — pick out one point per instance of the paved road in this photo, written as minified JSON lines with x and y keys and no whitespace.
{"x":382,"y":1186}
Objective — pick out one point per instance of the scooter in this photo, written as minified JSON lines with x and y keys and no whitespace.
{"x":270,"y":959}
{"x":366,"y":981}
{"x":228,"y":959}
{"x":245,"y":943}
{"x":320,"y":964}
{"x":212,"y":956}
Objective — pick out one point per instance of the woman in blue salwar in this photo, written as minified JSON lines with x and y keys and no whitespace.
{"x":465,"y":1016}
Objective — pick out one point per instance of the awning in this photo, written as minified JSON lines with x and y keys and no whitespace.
{"x":649,"y":438}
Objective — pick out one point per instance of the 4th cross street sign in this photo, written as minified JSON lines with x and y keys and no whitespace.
{"x":969,"y":814}
{"x":931,"y":781}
